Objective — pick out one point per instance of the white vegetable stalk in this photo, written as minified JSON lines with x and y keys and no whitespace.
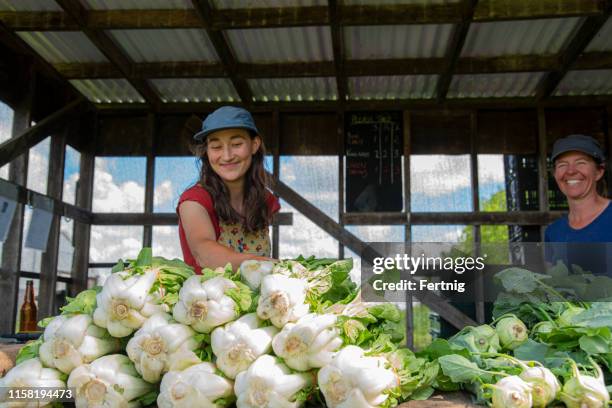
{"x":282,"y":299}
{"x":309,"y":343}
{"x":353,"y":380}
{"x":239,"y":343}
{"x":162,"y":345}
{"x":545,"y":385}
{"x":70,"y":341}
{"x":30,"y":373}
{"x":268,"y":383}
{"x":124,"y":303}
{"x":253,"y":271}
{"x":110,"y":381}
{"x":512,"y":392}
{"x":196,"y":386}
{"x":584,"y":391}
{"x":204,"y":305}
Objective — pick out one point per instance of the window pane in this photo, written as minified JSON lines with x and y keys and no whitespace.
{"x":371,"y":233}
{"x":440,"y":183}
{"x":61,"y":291}
{"x":491,"y":182}
{"x":304,"y":238}
{"x":166,"y":242}
{"x":315,"y":178}
{"x":173,"y":175}
{"x":438,"y":233}
{"x":66,"y":248}
{"x":111,"y":243}
{"x":21,"y":296}
{"x":496,"y":235}
{"x":119,"y":184}
{"x":6,"y":130}
{"x":30,"y":258}
{"x":72,"y":168}
{"x":97,"y":276}
{"x":38,"y":166}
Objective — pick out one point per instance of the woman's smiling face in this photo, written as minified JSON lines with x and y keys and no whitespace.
{"x":230,"y":153}
{"x":577,"y":174}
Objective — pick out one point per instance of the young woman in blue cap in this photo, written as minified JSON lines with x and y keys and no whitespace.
{"x":225,"y":216}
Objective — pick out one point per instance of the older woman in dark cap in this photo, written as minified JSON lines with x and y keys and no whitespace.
{"x":581,"y":239}
{"x":579,"y":167}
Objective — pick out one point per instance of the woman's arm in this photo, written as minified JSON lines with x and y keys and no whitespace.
{"x":202,"y":241}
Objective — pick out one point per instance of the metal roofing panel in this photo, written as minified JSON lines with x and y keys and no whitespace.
{"x":588,"y":82}
{"x":196,"y":90}
{"x":136,"y":4}
{"x":107,"y":90}
{"x":495,"y":85}
{"x":397,"y":41}
{"x":603,"y":39}
{"x":63,"y":46}
{"x":523,"y":37}
{"x":294,"y":89}
{"x":292,"y":44}
{"x":190,"y":44}
{"x":393,"y":87}
{"x":249,"y":4}
{"x":29,"y":5}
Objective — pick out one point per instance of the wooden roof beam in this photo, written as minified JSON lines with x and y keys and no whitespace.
{"x":111,"y":50}
{"x":228,"y":60}
{"x":581,"y":39}
{"x":455,"y":46}
{"x":487,"y":10}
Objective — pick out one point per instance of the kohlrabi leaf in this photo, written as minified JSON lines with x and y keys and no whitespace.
{"x":83,"y":303}
{"x":460,"y":369}
{"x":30,"y":350}
{"x":242,"y":295}
{"x":518,"y":280}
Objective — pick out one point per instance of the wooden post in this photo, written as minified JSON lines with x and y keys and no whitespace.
{"x":275,"y":174}
{"x":84,"y":200}
{"x":147,"y":239}
{"x":48,"y":268}
{"x":11,"y":249}
{"x":341,"y":150}
{"x":608,"y":149}
{"x":542,"y":166}
{"x":406,"y":128}
{"x":479,"y":304}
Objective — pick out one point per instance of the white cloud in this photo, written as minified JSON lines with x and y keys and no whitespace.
{"x":491,"y":168}
{"x":111,"y":243}
{"x":166,"y":242}
{"x":164,"y":193}
{"x":38,"y":166}
{"x":69,"y":192}
{"x":434,"y":175}
{"x":112,"y":197}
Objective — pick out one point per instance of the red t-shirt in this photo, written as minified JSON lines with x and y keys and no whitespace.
{"x":199,"y":194}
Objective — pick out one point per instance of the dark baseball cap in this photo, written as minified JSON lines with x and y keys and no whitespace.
{"x":581,"y":143}
{"x":226,"y":117}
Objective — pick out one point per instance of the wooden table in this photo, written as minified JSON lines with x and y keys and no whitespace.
{"x":445,"y":400}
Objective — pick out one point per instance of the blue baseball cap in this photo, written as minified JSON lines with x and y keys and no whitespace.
{"x":580,"y":143}
{"x":226,"y":117}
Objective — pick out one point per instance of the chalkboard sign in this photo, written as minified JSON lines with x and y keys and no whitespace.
{"x":374,"y":144}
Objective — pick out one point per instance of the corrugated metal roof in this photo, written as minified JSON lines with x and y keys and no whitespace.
{"x":136,"y":4}
{"x":524,"y":37}
{"x":395,"y":41}
{"x":294,"y":89}
{"x":603,"y":40}
{"x":393,"y":87}
{"x":377,"y":2}
{"x":248,"y":4}
{"x":293,"y":44}
{"x":189,"y":44}
{"x":494,"y":85}
{"x":63,"y":46}
{"x":588,"y":82}
{"x":196,"y":90}
{"x":107,"y":90}
{"x":29,"y":5}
